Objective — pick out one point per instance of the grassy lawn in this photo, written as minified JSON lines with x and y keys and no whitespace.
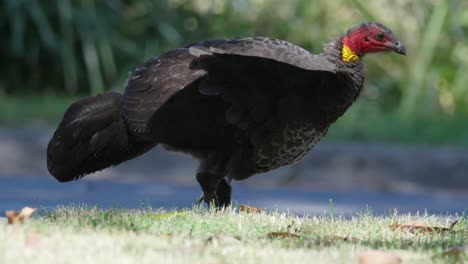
{"x":89,"y":235}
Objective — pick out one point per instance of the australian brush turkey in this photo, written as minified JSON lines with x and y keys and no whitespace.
{"x":241,"y":107}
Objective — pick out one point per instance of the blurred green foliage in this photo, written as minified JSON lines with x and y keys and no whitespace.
{"x":79,"y":47}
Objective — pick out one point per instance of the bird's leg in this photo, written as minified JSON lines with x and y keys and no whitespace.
{"x":223,"y":193}
{"x":209,"y":183}
{"x":200,"y":200}
{"x":210,"y":173}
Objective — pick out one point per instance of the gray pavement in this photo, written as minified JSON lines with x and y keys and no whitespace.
{"x":46,"y":192}
{"x":355,"y":176}
{"x":330,"y":166}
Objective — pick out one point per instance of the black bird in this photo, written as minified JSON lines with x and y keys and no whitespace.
{"x":241,"y":107}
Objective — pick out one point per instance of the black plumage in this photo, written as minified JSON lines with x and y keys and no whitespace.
{"x":241,"y":107}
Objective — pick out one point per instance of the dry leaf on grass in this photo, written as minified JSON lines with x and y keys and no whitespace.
{"x":249,"y":209}
{"x":456,"y":251}
{"x":17,"y":217}
{"x":378,"y":257}
{"x":421,"y":227}
{"x":281,"y":234}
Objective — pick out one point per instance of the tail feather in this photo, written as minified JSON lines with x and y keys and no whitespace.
{"x":92,"y":136}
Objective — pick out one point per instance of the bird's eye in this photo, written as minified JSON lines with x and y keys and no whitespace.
{"x":380,"y":36}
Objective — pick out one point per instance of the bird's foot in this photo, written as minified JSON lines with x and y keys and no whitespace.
{"x":223,"y":193}
{"x":211,"y":200}
{"x":200,"y":200}
{"x":219,"y":200}
{"x":208,"y":199}
{"x":216,"y":190}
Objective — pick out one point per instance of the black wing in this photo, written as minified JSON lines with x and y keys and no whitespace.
{"x":153,"y":84}
{"x":266,"y":81}
{"x":260,"y":78}
{"x":266,"y":48}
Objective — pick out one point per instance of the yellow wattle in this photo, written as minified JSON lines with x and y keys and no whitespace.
{"x":348,"y":55}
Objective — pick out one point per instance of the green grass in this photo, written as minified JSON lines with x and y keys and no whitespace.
{"x":90,"y":235}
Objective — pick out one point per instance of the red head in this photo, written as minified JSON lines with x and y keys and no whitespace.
{"x":372,"y":37}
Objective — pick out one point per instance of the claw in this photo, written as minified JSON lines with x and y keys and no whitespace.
{"x":200,"y":200}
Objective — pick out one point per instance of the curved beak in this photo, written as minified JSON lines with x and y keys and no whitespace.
{"x":397,"y":47}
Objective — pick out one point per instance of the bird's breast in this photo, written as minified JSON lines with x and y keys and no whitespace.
{"x":290,"y":144}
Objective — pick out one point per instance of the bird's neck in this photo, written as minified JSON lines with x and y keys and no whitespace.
{"x":348,"y":55}
{"x":353,"y":69}
{"x":352,"y":45}
{"x":341,"y":53}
